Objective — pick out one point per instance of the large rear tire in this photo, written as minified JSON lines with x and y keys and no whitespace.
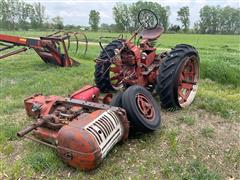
{"x":178,"y":78}
{"x":102,"y":72}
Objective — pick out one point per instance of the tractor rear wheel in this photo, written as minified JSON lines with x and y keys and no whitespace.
{"x":142,"y":109}
{"x":102,"y":69}
{"x":178,"y":78}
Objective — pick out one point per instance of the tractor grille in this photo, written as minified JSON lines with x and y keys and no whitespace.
{"x":106,"y":129}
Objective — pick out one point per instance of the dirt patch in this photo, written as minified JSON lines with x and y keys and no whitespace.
{"x":217,"y":151}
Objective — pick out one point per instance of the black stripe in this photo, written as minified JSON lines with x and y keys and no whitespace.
{"x":110,"y":139}
{"x":109,"y":123}
{"x":115,"y":137}
{"x":101,"y":128}
{"x":115,"y":119}
{"x":93,"y":133}
{"x":103,"y":121}
{"x":96,"y":133}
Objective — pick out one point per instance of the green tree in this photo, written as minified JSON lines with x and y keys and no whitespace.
{"x":24,"y":13}
{"x":126,"y":15}
{"x":183,"y":16}
{"x":94,"y":19}
{"x":229,"y":20}
{"x":58,"y":22}
{"x":37,"y":15}
{"x":121,"y":15}
{"x":9,"y":12}
{"x":214,"y":19}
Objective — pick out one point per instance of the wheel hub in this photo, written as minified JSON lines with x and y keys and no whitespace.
{"x":145,"y":106}
{"x":188,"y":79}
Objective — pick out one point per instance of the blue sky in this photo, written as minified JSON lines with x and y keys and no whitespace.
{"x":77,"y":11}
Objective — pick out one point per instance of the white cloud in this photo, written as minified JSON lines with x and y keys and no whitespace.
{"x":77,"y":11}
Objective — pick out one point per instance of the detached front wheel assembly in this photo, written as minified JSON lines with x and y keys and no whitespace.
{"x":142,"y":109}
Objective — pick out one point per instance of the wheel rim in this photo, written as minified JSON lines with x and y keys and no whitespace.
{"x":145,"y":107}
{"x":188,"y":81}
{"x":115,"y":78}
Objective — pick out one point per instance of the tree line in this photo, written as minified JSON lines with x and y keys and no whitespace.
{"x":16,"y":14}
{"x":213,"y":19}
{"x":218,"y":20}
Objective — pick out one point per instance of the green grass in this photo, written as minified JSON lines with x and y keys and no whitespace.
{"x":187,"y":120}
{"x":168,"y":153}
{"x":219,"y":53}
{"x":192,"y":170}
{"x":207,"y":132}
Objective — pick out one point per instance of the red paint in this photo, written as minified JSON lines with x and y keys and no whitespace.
{"x":139,"y":63}
{"x":87,"y":93}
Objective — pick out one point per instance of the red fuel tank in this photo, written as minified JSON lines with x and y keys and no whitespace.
{"x":87,"y":93}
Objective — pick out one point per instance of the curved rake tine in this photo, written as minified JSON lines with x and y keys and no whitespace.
{"x":86,"y":43}
{"x":68,"y":40}
{"x":54,"y":33}
{"x":75,"y":34}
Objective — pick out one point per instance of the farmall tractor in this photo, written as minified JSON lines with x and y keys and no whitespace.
{"x":173,"y":75}
{"x":84,"y":127}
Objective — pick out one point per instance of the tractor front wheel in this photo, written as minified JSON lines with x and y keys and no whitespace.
{"x":142,"y":109}
{"x":178,"y":78}
{"x":107,"y":74}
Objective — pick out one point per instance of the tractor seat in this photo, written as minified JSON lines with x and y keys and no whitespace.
{"x":151,"y":34}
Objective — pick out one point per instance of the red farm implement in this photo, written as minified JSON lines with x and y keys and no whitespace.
{"x":173,"y":75}
{"x":84,"y":127}
{"x":52,"y":49}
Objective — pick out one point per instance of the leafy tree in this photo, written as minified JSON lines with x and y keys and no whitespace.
{"x":229,"y":20}
{"x":24,"y":12}
{"x":9,"y":11}
{"x":183,"y":16}
{"x":219,"y":20}
{"x":174,"y":28}
{"x":94,"y":19}
{"x":37,"y":15}
{"x":125,"y":15}
{"x":57,"y":22}
{"x":121,"y":15}
{"x":18,"y":14}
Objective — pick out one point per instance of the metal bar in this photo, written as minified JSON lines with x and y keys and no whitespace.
{"x":13,"y":39}
{"x":7,"y":47}
{"x":3,"y":44}
{"x":60,"y":147}
{"x":55,"y":38}
{"x":39,"y":141}
{"x":13,"y":52}
{"x":88,"y":104}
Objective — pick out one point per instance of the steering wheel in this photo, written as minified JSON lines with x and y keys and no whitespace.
{"x":147,"y":19}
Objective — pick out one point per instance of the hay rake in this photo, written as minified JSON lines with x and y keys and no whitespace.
{"x":52,"y":49}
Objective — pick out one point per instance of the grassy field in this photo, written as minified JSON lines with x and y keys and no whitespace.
{"x":200,"y":142}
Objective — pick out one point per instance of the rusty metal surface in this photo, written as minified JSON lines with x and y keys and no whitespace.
{"x":52,"y":49}
{"x":61,"y":124}
{"x":87,"y":93}
{"x":152,"y":34}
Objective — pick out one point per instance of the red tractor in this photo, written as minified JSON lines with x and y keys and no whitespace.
{"x":174,"y":75}
{"x":83,"y":128}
